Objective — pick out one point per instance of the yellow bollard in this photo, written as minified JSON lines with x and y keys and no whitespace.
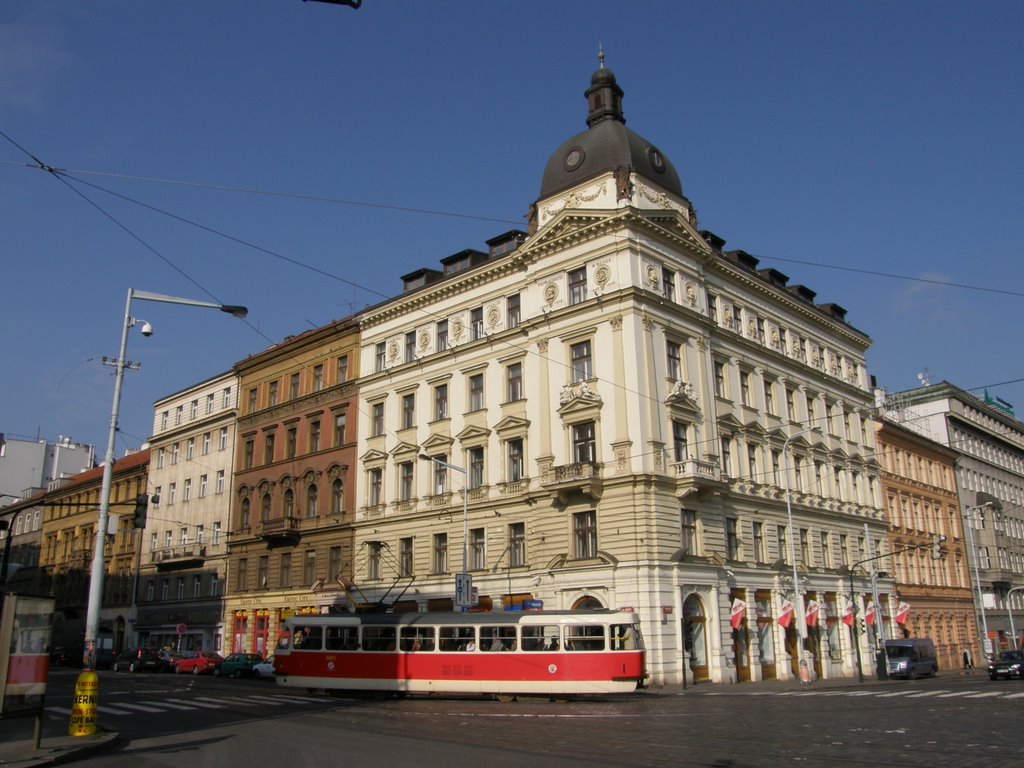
{"x":83,"y":706}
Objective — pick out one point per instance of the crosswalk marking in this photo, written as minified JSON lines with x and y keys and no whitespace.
{"x":208,"y":703}
{"x":958,"y":693}
{"x":140,"y":707}
{"x":111,"y":711}
{"x":985,"y":695}
{"x":171,"y":704}
{"x":894,"y":693}
{"x":1014,"y":695}
{"x":923,"y":694}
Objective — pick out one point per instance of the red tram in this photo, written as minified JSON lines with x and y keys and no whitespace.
{"x":569,"y":653}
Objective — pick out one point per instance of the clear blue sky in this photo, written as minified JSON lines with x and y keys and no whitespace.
{"x":877,"y":136}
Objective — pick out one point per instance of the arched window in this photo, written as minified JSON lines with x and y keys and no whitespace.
{"x":265,"y":508}
{"x":289,"y":503}
{"x":337,"y":497}
{"x":311,"y":501}
{"x":587,"y":603}
{"x":245,"y":514}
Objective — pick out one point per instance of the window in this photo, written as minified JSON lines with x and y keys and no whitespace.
{"x":405,"y":556}
{"x":219,"y":482}
{"x":252,"y":400}
{"x":405,"y":481}
{"x":268,"y":448}
{"x":513,"y":311}
{"x":410,"y":346}
{"x":179,"y":414}
{"x":408,"y":411}
{"x":584,"y":534}
{"x":440,"y":475}
{"x":476,"y":467}
{"x":222,"y":439}
{"x":226,"y":403}
{"x":514,"y":377}
{"x":442,"y":335}
{"x":318,"y":377}
{"x":516,"y":545}
{"x":341,"y":369}
{"x":805,"y":547}
{"x":180,"y":588}
{"x":477,"y":553}
{"x":312,"y":500}
{"x":782,"y":541}
{"x":377,"y":419}
{"x":373,"y":560}
{"x":769,"y":397}
{"x":163,"y":420}
{"x":186,"y":490}
{"x":758,"y":531}
{"x":293,"y":386}
{"x":476,"y":392}
{"x":265,"y":507}
{"x":290,"y":442}
{"x":245,"y":514}
{"x":379,"y":356}
{"x":262,"y":570}
{"x":584,"y":443}
{"x":165,"y":589}
{"x":376,"y":481}
{"x":333,"y":563}
{"x":314,"y":436}
{"x":680,"y":449}
{"x":731,"y":539}
{"x":284,"y":576}
{"x":441,"y":402}
{"x":440,"y":553}
{"x":214,"y":585}
{"x":340,"y":420}
{"x":272,"y":394}
{"x":791,"y":404}
{"x":242,"y":572}
{"x":582,"y":361}
{"x":720,"y":388}
{"x":476,"y":324}
{"x":826,"y":550}
{"x":171,"y":491}
{"x":752,"y":463}
{"x":515,"y":460}
{"x":745,"y":395}
{"x":190,"y":449}
{"x":668,"y":284}
{"x":206,"y":443}
{"x":578,"y":285}
{"x":674,"y":363}
{"x":712,"y":307}
{"x":160,"y":454}
{"x":309,"y":567}
{"x":688,"y":525}
{"x":337,"y":497}
{"x":174,"y":454}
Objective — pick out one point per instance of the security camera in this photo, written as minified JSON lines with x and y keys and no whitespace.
{"x":146,"y":329}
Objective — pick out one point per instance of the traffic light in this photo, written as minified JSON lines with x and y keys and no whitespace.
{"x":937,"y":540}
{"x":139,"y":513}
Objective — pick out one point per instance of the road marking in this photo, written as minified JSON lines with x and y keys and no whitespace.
{"x":922,"y":694}
{"x":211,"y":703}
{"x":958,"y":693}
{"x":282,"y":699}
{"x":894,"y":693}
{"x":169,"y":703}
{"x":986,"y":694}
{"x":140,"y":707}
{"x":1014,"y":695}
{"x":59,"y":710}
{"x":112,"y":711}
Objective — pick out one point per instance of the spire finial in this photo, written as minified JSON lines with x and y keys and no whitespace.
{"x":600,"y":55}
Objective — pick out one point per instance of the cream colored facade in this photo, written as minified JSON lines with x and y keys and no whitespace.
{"x":183,"y":554}
{"x":618,"y":393}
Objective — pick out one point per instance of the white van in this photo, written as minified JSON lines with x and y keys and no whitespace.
{"x":911,"y":657}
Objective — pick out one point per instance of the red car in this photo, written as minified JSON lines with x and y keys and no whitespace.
{"x":197,"y":662}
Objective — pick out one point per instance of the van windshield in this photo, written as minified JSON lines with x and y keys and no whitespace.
{"x":898,"y":651}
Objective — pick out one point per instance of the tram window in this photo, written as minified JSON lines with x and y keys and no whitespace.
{"x":498,"y":638}
{"x":417,"y":639}
{"x":378,"y":638}
{"x":458,"y":639}
{"x":584,"y":637}
{"x":342,"y":638}
{"x":540,"y":638}
{"x":308,"y":638}
{"x":623,"y":637}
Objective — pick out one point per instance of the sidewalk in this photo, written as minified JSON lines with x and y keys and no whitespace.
{"x":17,"y":749}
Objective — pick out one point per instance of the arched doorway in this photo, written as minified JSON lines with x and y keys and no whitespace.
{"x":587,"y":603}
{"x":695,"y":638}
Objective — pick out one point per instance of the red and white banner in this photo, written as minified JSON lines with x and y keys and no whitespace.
{"x":812,"y":613}
{"x":869,"y":614}
{"x":786,"y":614}
{"x":902,"y":612}
{"x":848,"y":614}
{"x":738,"y":613}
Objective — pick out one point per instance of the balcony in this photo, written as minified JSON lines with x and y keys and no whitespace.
{"x":696,"y":476}
{"x":281,"y":530}
{"x":564,"y":480}
{"x":180,"y":556}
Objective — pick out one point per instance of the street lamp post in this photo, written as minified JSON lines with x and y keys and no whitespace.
{"x":798,"y":600}
{"x":990,"y":503}
{"x":464,"y":576}
{"x":92,"y":622}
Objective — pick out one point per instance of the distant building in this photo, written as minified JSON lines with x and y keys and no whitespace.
{"x":28,"y":466}
{"x":989,"y":442}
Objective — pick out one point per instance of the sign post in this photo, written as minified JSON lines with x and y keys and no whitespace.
{"x":463,"y":591}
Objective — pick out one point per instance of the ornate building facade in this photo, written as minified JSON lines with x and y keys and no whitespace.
{"x":290,"y":541}
{"x":614,"y":411}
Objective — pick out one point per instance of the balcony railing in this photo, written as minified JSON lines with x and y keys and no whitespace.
{"x":179,"y":554}
{"x":696,"y":476}
{"x":279,"y":528}
{"x":563,"y":480}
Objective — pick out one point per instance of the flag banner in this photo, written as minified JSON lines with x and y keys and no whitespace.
{"x":848,"y":614}
{"x":812,"y":613}
{"x":869,"y":614}
{"x":786,"y":614}
{"x":738,"y":613}
{"x":902,"y":612}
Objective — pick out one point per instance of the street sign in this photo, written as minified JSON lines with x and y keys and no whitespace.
{"x":463,"y":590}
{"x":182,"y":629}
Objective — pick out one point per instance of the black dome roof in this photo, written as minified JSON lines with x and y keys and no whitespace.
{"x":606,"y":145}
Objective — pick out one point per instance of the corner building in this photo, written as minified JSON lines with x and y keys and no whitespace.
{"x":614,"y":393}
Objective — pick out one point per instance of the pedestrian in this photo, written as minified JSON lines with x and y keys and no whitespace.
{"x":968,"y":662}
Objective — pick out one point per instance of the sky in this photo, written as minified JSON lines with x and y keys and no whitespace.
{"x":300,"y":157}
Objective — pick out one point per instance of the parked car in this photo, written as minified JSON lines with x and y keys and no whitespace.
{"x":197,"y":662}
{"x":1007,"y":664}
{"x":911,"y":657}
{"x":138,"y":659}
{"x":265,"y":669}
{"x":237,"y":665}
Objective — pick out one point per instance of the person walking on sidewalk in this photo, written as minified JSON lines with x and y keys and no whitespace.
{"x":968,"y":662}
